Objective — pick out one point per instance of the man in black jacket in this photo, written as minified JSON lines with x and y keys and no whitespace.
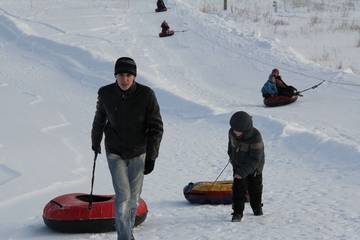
{"x":129,"y":115}
{"x":246,"y":153}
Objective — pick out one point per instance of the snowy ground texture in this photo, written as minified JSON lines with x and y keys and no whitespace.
{"x":56,"y":54}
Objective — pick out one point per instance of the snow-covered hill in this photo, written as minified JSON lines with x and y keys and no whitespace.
{"x":55,"y":56}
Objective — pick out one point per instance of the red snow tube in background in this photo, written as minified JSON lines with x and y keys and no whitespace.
{"x":69,"y":213}
{"x":279,"y":100}
{"x":166,"y":34}
{"x":161,"y":10}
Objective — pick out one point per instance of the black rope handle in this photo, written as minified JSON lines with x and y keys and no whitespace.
{"x":313,"y":87}
{"x":219,"y":175}
{"x":92,"y":183}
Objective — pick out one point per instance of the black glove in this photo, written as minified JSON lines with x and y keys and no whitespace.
{"x":96,"y":149}
{"x":149,"y":166}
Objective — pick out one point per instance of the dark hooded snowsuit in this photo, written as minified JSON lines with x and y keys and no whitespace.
{"x":247,"y":157}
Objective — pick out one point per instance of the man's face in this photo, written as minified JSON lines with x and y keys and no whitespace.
{"x":125,"y":80}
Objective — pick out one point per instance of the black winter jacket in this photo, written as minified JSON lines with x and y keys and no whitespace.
{"x":130,"y":119}
{"x":246,"y":153}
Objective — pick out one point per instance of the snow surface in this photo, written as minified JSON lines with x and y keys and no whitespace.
{"x":56,"y":54}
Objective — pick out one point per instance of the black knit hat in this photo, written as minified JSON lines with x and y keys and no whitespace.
{"x":125,"y":65}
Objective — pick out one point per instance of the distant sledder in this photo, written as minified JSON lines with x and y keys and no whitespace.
{"x":276,"y":92}
{"x":165,"y":32}
{"x":282,"y":87}
{"x":160,"y":6}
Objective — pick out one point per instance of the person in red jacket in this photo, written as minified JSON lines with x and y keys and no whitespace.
{"x":165,"y":27}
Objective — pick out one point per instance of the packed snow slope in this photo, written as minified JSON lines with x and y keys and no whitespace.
{"x":56,"y":54}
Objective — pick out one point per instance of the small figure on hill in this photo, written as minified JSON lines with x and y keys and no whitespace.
{"x":246,"y":153}
{"x":161,"y":5}
{"x":282,"y":87}
{"x":165,"y":27}
{"x":269,"y":89}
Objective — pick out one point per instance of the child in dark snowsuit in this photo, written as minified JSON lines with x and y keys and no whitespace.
{"x":246,"y":153}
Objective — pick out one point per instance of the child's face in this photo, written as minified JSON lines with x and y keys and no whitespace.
{"x":273,"y":79}
{"x":237,"y":133}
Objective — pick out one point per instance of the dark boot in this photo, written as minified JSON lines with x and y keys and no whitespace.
{"x":258,"y":211}
{"x":132,"y":237}
{"x":236,"y":217}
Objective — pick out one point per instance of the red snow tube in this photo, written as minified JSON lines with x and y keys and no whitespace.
{"x":279,"y":100}
{"x":69,"y":213}
{"x":166,"y":34}
{"x":206,"y":192}
{"x":161,"y":10}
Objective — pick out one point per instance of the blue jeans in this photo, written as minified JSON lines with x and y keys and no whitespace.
{"x":127,"y":178}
